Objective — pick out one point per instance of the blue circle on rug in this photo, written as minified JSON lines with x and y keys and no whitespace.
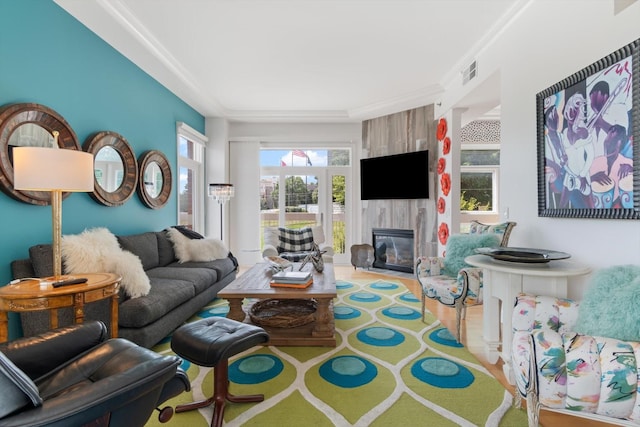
{"x":343,"y":285}
{"x":255,"y":369}
{"x":384,"y":286}
{"x":343,"y":312}
{"x":185,"y":365}
{"x":214,"y":311}
{"x":401,"y":312}
{"x":444,"y":337}
{"x":365,"y":297}
{"x":380,"y":336}
{"x":348,"y":371}
{"x":409,"y":297}
{"x":443,"y":373}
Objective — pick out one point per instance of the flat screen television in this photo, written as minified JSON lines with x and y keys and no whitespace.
{"x":399,"y":176}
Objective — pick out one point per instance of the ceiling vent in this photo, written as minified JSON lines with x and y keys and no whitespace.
{"x":469,"y":73}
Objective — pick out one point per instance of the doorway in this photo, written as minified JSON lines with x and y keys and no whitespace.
{"x":300,"y":188}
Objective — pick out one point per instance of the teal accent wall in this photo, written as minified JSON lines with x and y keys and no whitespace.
{"x":48,"y":57}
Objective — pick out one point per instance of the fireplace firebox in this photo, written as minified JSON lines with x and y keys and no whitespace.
{"x":393,"y":249}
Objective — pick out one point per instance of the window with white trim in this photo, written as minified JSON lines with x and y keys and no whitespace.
{"x":479,"y":172}
{"x":191,"y":188}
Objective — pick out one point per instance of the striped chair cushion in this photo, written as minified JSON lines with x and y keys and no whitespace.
{"x":299,"y":240}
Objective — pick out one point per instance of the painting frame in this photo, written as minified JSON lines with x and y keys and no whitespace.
{"x":588,"y":140}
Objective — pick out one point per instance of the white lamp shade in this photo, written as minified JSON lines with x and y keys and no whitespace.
{"x":47,"y":169}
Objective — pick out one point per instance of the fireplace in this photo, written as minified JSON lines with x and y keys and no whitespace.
{"x":393,"y":249}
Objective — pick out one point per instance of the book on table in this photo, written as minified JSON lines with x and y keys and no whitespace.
{"x":292,"y":276}
{"x":302,"y":285}
{"x":296,"y":279}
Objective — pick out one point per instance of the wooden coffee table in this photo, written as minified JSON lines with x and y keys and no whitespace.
{"x":254,"y":283}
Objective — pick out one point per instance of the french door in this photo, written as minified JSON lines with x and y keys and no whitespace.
{"x":296,"y":197}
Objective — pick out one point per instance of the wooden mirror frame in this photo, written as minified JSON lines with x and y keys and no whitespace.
{"x":13,"y":116}
{"x":144,"y":160}
{"x":93,"y":145}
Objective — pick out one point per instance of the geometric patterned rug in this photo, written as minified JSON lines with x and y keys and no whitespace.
{"x":388,"y":369}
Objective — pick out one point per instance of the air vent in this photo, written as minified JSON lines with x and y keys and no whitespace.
{"x":469,"y":73}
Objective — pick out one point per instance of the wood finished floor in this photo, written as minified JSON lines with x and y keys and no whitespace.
{"x":472,"y":339}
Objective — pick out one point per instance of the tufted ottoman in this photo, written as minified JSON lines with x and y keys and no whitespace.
{"x":210,"y":342}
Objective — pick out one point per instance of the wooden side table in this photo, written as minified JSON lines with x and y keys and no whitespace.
{"x":31,"y":295}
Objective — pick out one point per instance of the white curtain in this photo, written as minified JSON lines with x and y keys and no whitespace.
{"x":244,"y":208}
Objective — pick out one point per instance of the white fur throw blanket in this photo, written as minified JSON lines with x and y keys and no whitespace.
{"x":201,"y":250}
{"x":97,"y":250}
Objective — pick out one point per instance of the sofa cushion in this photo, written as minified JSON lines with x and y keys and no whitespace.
{"x":201,"y":278}
{"x":144,"y":245}
{"x":18,"y":390}
{"x":164,"y":296}
{"x":42,"y":260}
{"x":223,"y":267}
{"x":166,"y":254}
{"x":292,"y":240}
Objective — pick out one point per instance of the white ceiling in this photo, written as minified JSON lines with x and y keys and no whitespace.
{"x":300,"y":60}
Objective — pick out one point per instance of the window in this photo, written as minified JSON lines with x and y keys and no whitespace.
{"x":303,"y":187}
{"x":479,"y":178}
{"x":191,"y":189}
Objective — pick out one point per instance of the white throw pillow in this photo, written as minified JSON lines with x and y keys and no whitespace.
{"x":97,"y":250}
{"x":200,"y":250}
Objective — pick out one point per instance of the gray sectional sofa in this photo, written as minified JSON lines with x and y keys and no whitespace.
{"x":178,"y":290}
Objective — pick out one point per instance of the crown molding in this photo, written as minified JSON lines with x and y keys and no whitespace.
{"x":136,"y":41}
{"x":485,"y":41}
{"x":419,"y":98}
{"x":316,"y":116}
{"x":157,"y":60}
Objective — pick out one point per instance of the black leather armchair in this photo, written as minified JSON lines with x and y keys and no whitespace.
{"x":81,"y":377}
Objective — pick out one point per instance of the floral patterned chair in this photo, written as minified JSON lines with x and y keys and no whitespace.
{"x":449,"y":279}
{"x":565,"y":371}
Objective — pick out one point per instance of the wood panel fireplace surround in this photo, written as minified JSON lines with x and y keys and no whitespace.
{"x":393,"y":249}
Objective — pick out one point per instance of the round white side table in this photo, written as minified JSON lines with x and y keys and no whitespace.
{"x":503,"y":281}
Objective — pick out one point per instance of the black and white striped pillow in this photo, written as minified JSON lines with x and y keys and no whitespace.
{"x":297,"y":240}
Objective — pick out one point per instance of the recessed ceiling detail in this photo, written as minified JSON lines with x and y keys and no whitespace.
{"x":286,"y":60}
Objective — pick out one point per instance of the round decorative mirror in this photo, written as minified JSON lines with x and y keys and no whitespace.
{"x":115,"y":168}
{"x":30,"y":125}
{"x":154,"y":181}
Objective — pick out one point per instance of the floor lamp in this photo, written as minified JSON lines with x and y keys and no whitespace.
{"x":221,"y":193}
{"x":54,"y":170}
